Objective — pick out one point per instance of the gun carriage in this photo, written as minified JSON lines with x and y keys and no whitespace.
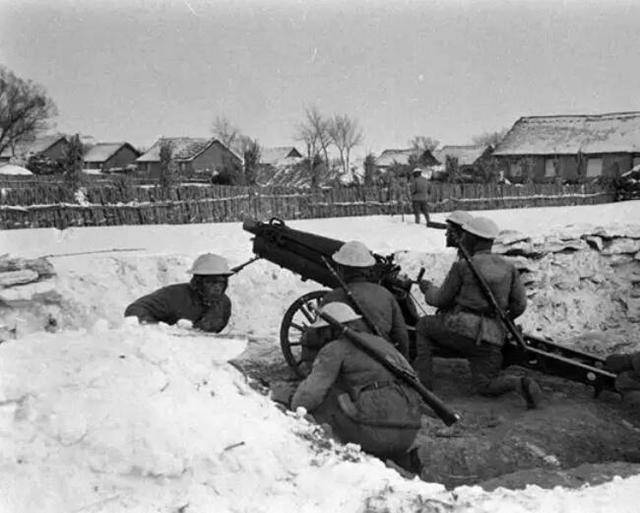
{"x":303,"y":253}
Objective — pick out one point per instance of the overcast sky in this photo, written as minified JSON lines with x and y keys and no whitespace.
{"x":135,"y":70}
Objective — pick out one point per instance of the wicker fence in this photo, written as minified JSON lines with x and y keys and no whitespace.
{"x":50,"y":204}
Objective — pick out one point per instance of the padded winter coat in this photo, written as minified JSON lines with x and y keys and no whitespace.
{"x":180,"y":301}
{"x":341,"y":367}
{"x":381,"y":305}
{"x":419,"y":189}
{"x":467,"y":311}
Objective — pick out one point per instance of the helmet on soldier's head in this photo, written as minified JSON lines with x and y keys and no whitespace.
{"x":354,"y":254}
{"x":458,"y":217}
{"x":417,"y":171}
{"x":210,"y":264}
{"x":341,"y":312}
{"x":482,"y":227}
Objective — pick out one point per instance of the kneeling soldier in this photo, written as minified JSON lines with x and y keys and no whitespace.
{"x":356,"y":395}
{"x":202,"y":301}
{"x":468,"y":326}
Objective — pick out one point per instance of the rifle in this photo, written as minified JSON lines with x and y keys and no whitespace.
{"x":240,"y":267}
{"x":488,"y":293}
{"x":447,"y":415}
{"x":354,"y":302}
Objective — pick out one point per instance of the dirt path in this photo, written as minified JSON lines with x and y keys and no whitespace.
{"x":571,"y":440}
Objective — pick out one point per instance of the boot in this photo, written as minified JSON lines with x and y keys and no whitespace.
{"x":531,"y":392}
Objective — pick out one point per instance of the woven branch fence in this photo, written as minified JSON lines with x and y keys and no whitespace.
{"x":50,"y":204}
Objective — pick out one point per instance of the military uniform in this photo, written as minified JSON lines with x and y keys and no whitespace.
{"x":388,"y":412}
{"x":468,"y":326}
{"x":180,"y":301}
{"x":380,"y":305}
{"x":627,"y":366}
{"x":419,"y":197}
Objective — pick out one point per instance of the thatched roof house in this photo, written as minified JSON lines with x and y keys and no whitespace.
{"x":279,"y":155}
{"x":392,"y":157}
{"x":572,"y":146}
{"x":47,"y":146}
{"x":467,"y":156}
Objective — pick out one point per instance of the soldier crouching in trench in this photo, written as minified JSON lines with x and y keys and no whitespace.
{"x":357,"y":396}
{"x":202,"y":301}
{"x":468,"y":327}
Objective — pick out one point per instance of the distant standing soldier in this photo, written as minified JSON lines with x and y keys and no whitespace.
{"x":354,"y":264}
{"x":627,"y":366}
{"x":468,"y":325}
{"x":420,"y":195}
{"x":383,"y":415}
{"x":202,"y":301}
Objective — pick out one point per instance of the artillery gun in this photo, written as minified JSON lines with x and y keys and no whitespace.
{"x":303,"y":253}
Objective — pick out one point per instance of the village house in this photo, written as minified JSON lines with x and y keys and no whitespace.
{"x":389,"y":158}
{"x":109,"y":157}
{"x":51,"y":147}
{"x":192,"y":156}
{"x":279,"y":156}
{"x":468,"y":157}
{"x":570,"y":148}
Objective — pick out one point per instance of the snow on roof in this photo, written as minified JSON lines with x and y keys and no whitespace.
{"x":277,"y":154}
{"x":551,"y":135}
{"x":10,"y":169}
{"x":38,"y":145}
{"x":388,"y":157}
{"x":466,"y":155}
{"x":101,"y":152}
{"x":184,"y":148}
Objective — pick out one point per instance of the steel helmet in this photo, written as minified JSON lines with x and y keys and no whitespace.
{"x":210,"y":264}
{"x":417,"y":171}
{"x":458,"y":217}
{"x":341,"y":312}
{"x":354,"y":254}
{"x":482,"y":227}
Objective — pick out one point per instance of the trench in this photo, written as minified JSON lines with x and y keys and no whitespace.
{"x":582,"y":294}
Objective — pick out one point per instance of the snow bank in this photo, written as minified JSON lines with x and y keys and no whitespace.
{"x":121,"y":417}
{"x":148,"y":419}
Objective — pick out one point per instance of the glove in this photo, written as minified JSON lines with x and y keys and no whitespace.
{"x":425,"y":285}
{"x":618,"y":362}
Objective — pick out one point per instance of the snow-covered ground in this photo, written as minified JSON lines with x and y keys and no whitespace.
{"x":109,"y":416}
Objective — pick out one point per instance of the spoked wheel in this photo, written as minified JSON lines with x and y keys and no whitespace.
{"x":296,"y":320}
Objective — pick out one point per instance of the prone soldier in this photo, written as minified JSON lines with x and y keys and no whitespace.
{"x":202,"y":300}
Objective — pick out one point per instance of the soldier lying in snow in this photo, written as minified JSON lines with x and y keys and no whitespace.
{"x":202,"y":301}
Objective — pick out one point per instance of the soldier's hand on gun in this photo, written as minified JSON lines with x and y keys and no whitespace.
{"x":425,"y":285}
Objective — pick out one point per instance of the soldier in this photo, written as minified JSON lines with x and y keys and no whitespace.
{"x":455,"y":221}
{"x":419,"y":195}
{"x":202,"y":301}
{"x":378,"y":412}
{"x":354,"y":264}
{"x":627,"y":366}
{"x":468,"y":325}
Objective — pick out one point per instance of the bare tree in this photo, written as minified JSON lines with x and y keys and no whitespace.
{"x":25,"y":109}
{"x":225,"y":131}
{"x":421,"y":143}
{"x":315,"y":130}
{"x":167,"y":166}
{"x":252,"y":153}
{"x":73,"y":176}
{"x":490,"y":138}
{"x":345,"y":133}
